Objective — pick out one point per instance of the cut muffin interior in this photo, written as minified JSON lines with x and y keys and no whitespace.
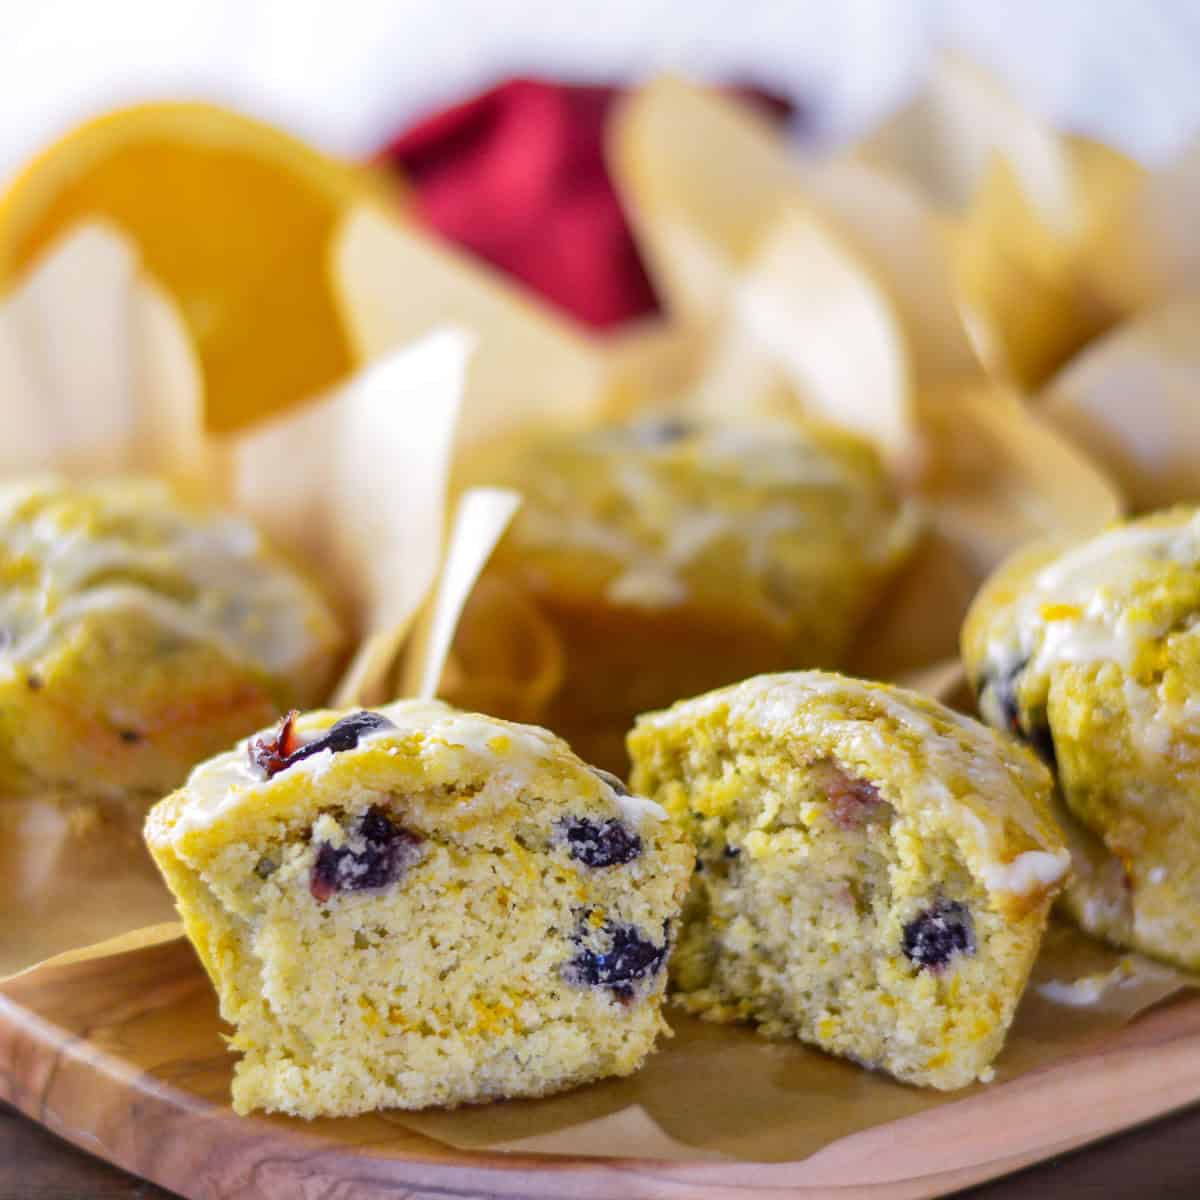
{"x":835,"y":898}
{"x":419,"y":907}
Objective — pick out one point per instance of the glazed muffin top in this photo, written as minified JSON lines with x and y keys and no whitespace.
{"x":1126,"y":600}
{"x":663,"y":513}
{"x":70,"y":551}
{"x":942,"y":770}
{"x":466,"y":776}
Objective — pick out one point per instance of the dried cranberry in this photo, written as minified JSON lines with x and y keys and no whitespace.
{"x":935,"y":936}
{"x":286,"y":749}
{"x":376,"y":855}
{"x":630,"y":957}
{"x":851,"y":799}
{"x":270,"y":754}
{"x":601,"y":843}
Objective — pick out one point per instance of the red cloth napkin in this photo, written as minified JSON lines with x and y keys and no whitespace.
{"x":517,"y":175}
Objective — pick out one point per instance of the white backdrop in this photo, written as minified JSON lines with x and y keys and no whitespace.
{"x":347,"y":73}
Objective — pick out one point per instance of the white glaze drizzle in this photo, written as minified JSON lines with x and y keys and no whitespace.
{"x":511,"y":752}
{"x":652,"y":575}
{"x":772,"y":704}
{"x":251,"y":608}
{"x":1096,"y":579}
{"x":1033,"y":871}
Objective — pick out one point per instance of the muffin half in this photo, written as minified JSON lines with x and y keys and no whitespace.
{"x":419,"y":906}
{"x":874,"y":870}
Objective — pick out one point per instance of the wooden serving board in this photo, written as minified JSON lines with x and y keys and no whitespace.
{"x":123,"y":1056}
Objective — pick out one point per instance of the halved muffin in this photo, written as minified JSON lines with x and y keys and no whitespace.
{"x":419,"y":906}
{"x":874,"y":872}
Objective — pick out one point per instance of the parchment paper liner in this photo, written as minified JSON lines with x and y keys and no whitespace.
{"x":732,"y":264}
{"x":798,"y":288}
{"x":1132,"y":400}
{"x":95,"y":376}
{"x":1003,"y":242}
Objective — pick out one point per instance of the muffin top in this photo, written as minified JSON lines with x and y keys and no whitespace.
{"x":942,"y":770}
{"x":73,"y":551}
{"x":1124,"y":603}
{"x":454,"y":768}
{"x":665,"y":512}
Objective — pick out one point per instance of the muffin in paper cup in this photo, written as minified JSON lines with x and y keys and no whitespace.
{"x":149,"y":623}
{"x":669,"y":556}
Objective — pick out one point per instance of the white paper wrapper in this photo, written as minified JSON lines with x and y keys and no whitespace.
{"x":483,"y":516}
{"x":1132,"y":400}
{"x":529,"y":365}
{"x":96,"y":376}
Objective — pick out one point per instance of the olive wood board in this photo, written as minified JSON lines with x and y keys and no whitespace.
{"x":123,"y":1056}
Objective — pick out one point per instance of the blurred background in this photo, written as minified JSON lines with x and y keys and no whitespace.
{"x":351,"y":74}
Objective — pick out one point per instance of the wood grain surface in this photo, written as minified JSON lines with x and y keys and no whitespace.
{"x":1161,"y":1160}
{"x":93,"y":1052}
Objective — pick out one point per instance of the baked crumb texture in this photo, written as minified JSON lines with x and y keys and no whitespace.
{"x":874,"y":870}
{"x":430,"y":908}
{"x":1090,"y":653}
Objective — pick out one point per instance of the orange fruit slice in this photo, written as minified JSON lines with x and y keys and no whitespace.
{"x":232,"y":217}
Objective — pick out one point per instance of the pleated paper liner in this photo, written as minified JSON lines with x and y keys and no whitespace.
{"x":95,"y":377}
{"x":833,"y":287}
{"x":530,"y":365}
{"x":1003,"y":245}
{"x":1132,"y":400}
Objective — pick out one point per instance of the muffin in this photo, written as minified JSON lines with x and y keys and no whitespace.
{"x":1091,"y":654}
{"x":419,"y":906}
{"x":670,"y":557}
{"x":141,"y":636}
{"x":874,"y":869}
